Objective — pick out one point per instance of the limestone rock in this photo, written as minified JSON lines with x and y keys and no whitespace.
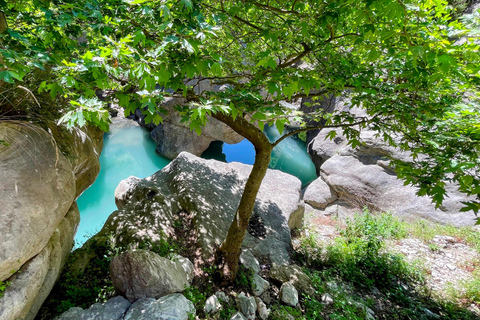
{"x":113,"y":309}
{"x":288,"y":294}
{"x":144,"y":274}
{"x":247,"y":306}
{"x":172,"y":307}
{"x":249,"y":261}
{"x":222,"y":296}
{"x":238,"y":316}
{"x":82,"y":147}
{"x":327,"y":299}
{"x":379,"y":188}
{"x":294,"y":275}
{"x":363,"y":177}
{"x":186,"y":264}
{"x":174,"y":136}
{"x":185,"y":185}
{"x":37,"y":187}
{"x":259,"y":285}
{"x":212,"y":305}
{"x":124,"y":190}
{"x":30,"y":286}
{"x":262,"y":310}
{"x":318,"y":194}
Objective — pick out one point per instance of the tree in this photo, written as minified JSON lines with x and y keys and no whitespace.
{"x":399,"y":60}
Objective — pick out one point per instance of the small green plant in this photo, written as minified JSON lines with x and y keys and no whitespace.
{"x":198,"y":298}
{"x":281,"y":312}
{"x":3,"y":287}
{"x":244,"y":277}
{"x":434,"y":247}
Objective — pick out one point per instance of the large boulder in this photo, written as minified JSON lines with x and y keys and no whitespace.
{"x":362,"y":176}
{"x":30,"y":286}
{"x":209,"y":190}
{"x":82,"y":147}
{"x":37,"y":187}
{"x":144,"y":274}
{"x":38,"y":215}
{"x":173,"y":136}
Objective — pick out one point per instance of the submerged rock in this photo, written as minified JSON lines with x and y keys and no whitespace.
{"x":144,"y":274}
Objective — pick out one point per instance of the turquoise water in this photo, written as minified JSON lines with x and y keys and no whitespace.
{"x":289,"y":156}
{"x":128,"y":150}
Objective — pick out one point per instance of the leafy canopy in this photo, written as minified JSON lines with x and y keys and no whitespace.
{"x":412,"y":66}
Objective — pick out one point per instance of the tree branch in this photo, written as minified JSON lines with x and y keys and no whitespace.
{"x":365,"y":120}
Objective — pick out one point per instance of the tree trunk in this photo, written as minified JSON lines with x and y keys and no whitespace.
{"x":230,"y":250}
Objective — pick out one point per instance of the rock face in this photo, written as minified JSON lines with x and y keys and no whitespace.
{"x":171,"y":307}
{"x":144,"y":274}
{"x":37,"y":187}
{"x":173,"y":136}
{"x":38,"y":215}
{"x":362,"y":177}
{"x":186,"y":184}
{"x":83,"y":147}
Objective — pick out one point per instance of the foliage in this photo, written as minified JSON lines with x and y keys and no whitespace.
{"x":399,"y":287}
{"x":3,"y":287}
{"x":358,"y":254}
{"x":399,"y":60}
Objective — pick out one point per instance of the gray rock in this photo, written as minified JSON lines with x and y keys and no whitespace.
{"x":222,"y":296}
{"x":172,"y":307}
{"x":288,"y":294}
{"x":327,"y":299}
{"x":82,"y":147}
{"x":247,"y":306}
{"x":124,"y":190}
{"x":379,"y":189}
{"x":186,"y":264}
{"x":259,"y":285}
{"x":249,"y":261}
{"x":144,"y":274}
{"x":238,"y":316}
{"x":37,"y":187}
{"x":294,"y":275}
{"x":430,"y":314}
{"x":182,"y":186}
{"x":113,"y":309}
{"x":363,"y":177}
{"x":174,"y":136}
{"x":31,"y":285}
{"x":318,"y":194}
{"x":262,"y":309}
{"x":369,"y":314}
{"x":212,"y":305}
